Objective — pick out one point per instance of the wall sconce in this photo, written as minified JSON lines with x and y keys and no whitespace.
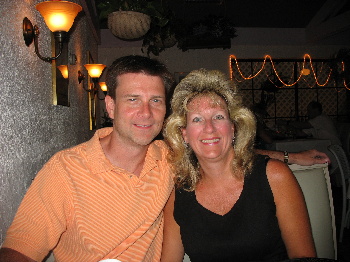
{"x":64,"y":70}
{"x":94,"y":71}
{"x":103,"y":87}
{"x":59,"y":17}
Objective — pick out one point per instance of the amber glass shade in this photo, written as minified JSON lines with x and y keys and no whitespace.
{"x":103,"y":86}
{"x":95,"y":70}
{"x":58,"y":15}
{"x":64,"y":70}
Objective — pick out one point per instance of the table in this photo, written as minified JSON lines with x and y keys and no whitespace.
{"x":297,"y":145}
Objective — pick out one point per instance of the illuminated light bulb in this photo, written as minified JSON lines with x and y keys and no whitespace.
{"x":103,"y":86}
{"x":64,"y":70}
{"x":305,"y":72}
{"x":59,"y":15}
{"x":95,"y":70}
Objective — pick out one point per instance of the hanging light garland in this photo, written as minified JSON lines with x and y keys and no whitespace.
{"x":302,"y":73}
{"x":344,"y":81}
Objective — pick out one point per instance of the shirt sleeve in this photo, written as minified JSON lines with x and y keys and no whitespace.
{"x":43,"y":214}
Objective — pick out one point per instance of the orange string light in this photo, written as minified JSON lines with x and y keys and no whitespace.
{"x":344,"y":80}
{"x":268,"y":57}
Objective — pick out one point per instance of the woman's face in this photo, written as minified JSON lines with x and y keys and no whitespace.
{"x":209,"y":130}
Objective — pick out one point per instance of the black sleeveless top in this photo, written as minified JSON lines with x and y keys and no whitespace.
{"x":248,"y":232}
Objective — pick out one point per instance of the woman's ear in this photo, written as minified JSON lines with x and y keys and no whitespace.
{"x":184,"y":134}
{"x":110,"y":105}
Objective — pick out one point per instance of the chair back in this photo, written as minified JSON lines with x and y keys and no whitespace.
{"x":344,"y":135}
{"x":315,"y":183}
{"x":344,"y":168}
{"x":342,"y":159}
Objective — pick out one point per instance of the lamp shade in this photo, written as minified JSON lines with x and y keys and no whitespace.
{"x":103,"y":86}
{"x":95,"y":70}
{"x":58,"y":15}
{"x":64,"y":70}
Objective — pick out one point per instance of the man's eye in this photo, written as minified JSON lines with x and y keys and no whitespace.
{"x":132,"y":99}
{"x":156,"y":100}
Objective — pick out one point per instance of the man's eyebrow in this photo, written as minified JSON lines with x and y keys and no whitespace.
{"x":130,"y":95}
{"x":158,"y":96}
{"x":134,"y":95}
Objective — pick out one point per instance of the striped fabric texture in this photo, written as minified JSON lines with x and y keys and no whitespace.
{"x":85,"y":209}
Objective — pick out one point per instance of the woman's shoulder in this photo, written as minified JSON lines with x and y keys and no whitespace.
{"x":275,"y":165}
{"x":279,"y":173}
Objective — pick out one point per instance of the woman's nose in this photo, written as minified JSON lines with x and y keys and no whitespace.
{"x":209,"y":126}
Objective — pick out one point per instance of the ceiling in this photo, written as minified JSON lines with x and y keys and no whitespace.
{"x":252,"y":13}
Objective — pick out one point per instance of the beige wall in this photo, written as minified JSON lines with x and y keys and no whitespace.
{"x":32,"y":129}
{"x":250,"y":43}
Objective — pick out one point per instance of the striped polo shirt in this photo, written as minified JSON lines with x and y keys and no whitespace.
{"x":85,"y":209}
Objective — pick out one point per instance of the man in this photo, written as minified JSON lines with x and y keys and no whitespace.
{"x":319,"y":125}
{"x":104,"y":198}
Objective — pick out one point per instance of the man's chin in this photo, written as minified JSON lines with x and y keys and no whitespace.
{"x":145,"y":141}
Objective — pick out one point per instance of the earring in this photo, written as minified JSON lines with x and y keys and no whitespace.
{"x":185,"y":144}
{"x":233,"y":140}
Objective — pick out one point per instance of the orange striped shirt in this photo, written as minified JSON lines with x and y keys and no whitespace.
{"x":86,"y":209}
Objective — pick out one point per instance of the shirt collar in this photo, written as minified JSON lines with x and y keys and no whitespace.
{"x":96,"y":158}
{"x":98,"y":161}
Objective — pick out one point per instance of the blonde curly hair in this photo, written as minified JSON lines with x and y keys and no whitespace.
{"x":216,"y":85}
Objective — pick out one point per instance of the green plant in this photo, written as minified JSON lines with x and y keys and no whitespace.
{"x":166,"y":30}
{"x":153,"y":41}
{"x":212,"y":31}
{"x":153,"y":8}
{"x":160,"y":37}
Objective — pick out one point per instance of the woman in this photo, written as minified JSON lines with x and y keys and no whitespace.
{"x":229,"y":204}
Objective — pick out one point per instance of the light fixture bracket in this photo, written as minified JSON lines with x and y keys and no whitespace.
{"x":28,"y":31}
{"x":81,"y":76}
{"x":31,"y":33}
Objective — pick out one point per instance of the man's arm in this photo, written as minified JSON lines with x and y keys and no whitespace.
{"x":304,"y":158}
{"x":10,"y":255}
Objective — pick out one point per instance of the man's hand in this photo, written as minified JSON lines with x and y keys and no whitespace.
{"x":308,"y":158}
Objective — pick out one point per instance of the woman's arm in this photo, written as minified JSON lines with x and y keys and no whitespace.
{"x":292,"y":215}
{"x":173,"y":249}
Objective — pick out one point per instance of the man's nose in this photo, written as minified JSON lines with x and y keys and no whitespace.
{"x":145,"y":110}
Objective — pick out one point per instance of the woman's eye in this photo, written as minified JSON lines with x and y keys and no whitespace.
{"x":219,"y":117}
{"x":196,"y":119}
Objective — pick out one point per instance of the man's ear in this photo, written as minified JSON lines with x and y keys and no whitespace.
{"x":110,"y":105}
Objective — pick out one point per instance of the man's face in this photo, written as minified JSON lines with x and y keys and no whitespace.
{"x":139,"y":108}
